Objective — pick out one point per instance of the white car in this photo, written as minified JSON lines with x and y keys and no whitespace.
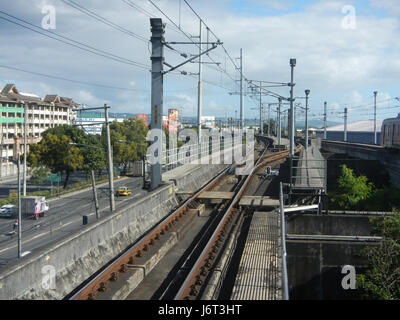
{"x":8,"y":210}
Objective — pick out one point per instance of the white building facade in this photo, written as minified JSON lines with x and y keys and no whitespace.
{"x":42,"y":114}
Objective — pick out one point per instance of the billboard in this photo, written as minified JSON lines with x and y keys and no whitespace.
{"x":173,"y":114}
{"x":142,"y":116}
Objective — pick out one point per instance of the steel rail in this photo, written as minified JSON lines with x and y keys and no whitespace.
{"x":197,"y":275}
{"x":120,"y":264}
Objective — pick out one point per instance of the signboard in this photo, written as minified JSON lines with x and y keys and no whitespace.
{"x":13,"y":193}
{"x":56,"y":177}
{"x":173,"y":114}
{"x":142,"y":116}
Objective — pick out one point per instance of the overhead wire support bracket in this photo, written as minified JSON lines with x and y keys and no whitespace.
{"x":187,"y":42}
{"x":191,"y":59}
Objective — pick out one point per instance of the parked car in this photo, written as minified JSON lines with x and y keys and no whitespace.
{"x":8,"y":211}
{"x":123,"y":191}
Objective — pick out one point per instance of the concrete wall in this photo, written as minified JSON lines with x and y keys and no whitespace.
{"x":351,"y":225}
{"x":195,"y":176}
{"x":314,"y":267}
{"x":79,"y":255}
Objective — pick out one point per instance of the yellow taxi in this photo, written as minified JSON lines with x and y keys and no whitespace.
{"x":123,"y":191}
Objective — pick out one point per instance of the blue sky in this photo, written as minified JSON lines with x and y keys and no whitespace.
{"x":341,"y":66}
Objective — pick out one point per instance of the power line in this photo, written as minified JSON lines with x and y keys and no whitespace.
{"x":104,"y":20}
{"x":71,"y":80}
{"x":77,"y":44}
{"x":84,"y":82}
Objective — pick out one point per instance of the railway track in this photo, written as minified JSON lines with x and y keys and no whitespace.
{"x":110,"y":273}
{"x":195,"y":280}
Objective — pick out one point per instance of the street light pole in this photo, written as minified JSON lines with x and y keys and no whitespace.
{"x":375,"y":93}
{"x":110,"y":161}
{"x":345,"y":124}
{"x":199,"y":89}
{"x":307,"y":93}
{"x":96,"y":202}
{"x":292,"y":124}
{"x":241,"y":92}
{"x":325,"y":115}
{"x":19,"y":208}
{"x":24,"y":172}
{"x":279,"y":121}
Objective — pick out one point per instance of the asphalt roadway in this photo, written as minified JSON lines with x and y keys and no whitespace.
{"x":65,"y":216}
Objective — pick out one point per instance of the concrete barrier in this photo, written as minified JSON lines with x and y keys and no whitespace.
{"x":77,"y":256}
{"x":191,"y":177}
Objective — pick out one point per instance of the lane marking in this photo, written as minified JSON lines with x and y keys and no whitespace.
{"x":62,"y":226}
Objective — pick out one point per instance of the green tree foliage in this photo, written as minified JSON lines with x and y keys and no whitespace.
{"x":351,"y":189}
{"x":128,"y":139}
{"x":382,"y":279}
{"x":55,"y":152}
{"x":39,"y":175}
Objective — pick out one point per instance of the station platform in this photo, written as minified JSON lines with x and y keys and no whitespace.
{"x":310,"y":172}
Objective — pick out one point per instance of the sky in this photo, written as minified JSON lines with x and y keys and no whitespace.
{"x":345,"y":50}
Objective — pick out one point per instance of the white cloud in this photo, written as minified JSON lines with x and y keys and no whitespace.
{"x":330,"y":60}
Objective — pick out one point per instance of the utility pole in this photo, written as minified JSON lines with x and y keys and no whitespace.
{"x":279,"y":121}
{"x":157,"y":60}
{"x":292,"y":124}
{"x":307,"y":93}
{"x":24,"y":173}
{"x":96,"y":202}
{"x":261,"y":122}
{"x":375,"y":93}
{"x":110,"y":161}
{"x":345,"y":124}
{"x":325,"y":115}
{"x":241,"y":92}
{"x":199,"y":92}
{"x":19,"y":208}
{"x":269,"y":119}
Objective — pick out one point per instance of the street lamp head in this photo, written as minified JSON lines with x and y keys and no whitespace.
{"x":292,"y":62}
{"x":307,"y":92}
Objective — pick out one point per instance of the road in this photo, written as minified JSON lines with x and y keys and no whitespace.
{"x":64,"y":217}
{"x":8,"y":184}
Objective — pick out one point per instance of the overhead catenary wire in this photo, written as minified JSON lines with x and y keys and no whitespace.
{"x":104,"y":20}
{"x":71,"y":42}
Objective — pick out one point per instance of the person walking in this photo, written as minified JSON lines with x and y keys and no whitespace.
{"x":15,"y":227}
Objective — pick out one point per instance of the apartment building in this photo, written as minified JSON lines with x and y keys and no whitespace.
{"x":42,"y":114}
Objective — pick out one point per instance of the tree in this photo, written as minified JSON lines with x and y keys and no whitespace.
{"x":128,"y":139}
{"x":56,"y":153}
{"x":382,"y":279}
{"x":39,"y":175}
{"x":352,"y":189}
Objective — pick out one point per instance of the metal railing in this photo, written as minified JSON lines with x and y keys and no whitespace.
{"x":285,"y":282}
